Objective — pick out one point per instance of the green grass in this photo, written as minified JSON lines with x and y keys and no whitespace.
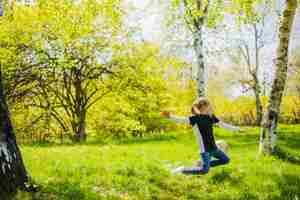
{"x":141,"y":169}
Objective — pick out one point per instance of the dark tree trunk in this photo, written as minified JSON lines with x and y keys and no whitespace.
{"x":259,"y":111}
{"x":1,"y":8}
{"x":80,"y":115}
{"x":258,"y":104}
{"x":13,"y":175}
{"x":80,"y":132}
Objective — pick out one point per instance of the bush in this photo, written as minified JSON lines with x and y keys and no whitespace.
{"x":242,"y":110}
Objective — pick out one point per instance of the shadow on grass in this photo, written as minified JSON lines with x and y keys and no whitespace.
{"x":289,"y":186}
{"x":286,"y":155}
{"x":54,"y":191}
{"x":226,"y":175}
{"x":63,"y":190}
{"x":290,"y":140}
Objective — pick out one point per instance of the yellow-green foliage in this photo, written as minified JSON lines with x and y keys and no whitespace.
{"x":290,"y":109}
{"x":134,"y":109}
{"x":149,"y":82}
{"x":242,"y":110}
{"x":114,"y":117}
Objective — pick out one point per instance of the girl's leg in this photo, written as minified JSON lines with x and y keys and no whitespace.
{"x":199,"y":170}
{"x":222,"y":158}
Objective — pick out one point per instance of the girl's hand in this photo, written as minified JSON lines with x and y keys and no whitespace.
{"x":165,"y":114}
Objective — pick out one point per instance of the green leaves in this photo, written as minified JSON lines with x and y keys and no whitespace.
{"x":198,"y":13}
{"x":210,"y":13}
{"x":247,"y":11}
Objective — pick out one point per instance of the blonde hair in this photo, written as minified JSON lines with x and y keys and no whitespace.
{"x":200,"y":104}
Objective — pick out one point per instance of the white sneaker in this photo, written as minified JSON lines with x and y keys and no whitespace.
{"x":177,"y":170}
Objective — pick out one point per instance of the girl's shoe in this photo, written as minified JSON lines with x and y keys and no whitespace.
{"x":177,"y":170}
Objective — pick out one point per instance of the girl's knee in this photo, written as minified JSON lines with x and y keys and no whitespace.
{"x":226,"y":161}
{"x":205,"y":169}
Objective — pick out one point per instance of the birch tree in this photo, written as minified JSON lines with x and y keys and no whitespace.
{"x":254,"y":70}
{"x":248,"y":53}
{"x":197,"y":15}
{"x":270,"y":119}
{"x":13,"y":174}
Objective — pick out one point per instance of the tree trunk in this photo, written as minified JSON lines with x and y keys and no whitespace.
{"x":259,"y":111}
{"x":13,"y":175}
{"x":257,"y":88}
{"x":270,"y":119}
{"x":80,"y":133}
{"x":198,"y":48}
{"x":258,"y":104}
{"x":1,"y":8}
{"x":196,"y":26}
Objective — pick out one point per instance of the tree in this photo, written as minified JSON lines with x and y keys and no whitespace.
{"x":250,"y":18}
{"x":72,"y":85}
{"x":69,"y":55}
{"x":13,"y":174}
{"x":249,"y":51}
{"x":132,"y":107}
{"x":80,"y":59}
{"x":198,"y":15}
{"x":270,"y":119}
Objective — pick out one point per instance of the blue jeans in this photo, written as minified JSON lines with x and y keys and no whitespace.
{"x":221,"y":159}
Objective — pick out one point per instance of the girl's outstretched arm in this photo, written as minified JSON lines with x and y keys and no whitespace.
{"x":228,"y":126}
{"x":178,"y":119}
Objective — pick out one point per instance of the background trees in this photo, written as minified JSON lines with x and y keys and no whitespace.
{"x":248,"y":53}
{"x":75,"y":69}
{"x":78,"y":62}
{"x":61,"y":58}
{"x":61,"y":69}
{"x":69,"y":60}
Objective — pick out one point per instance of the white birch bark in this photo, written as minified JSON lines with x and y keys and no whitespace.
{"x":269,"y":124}
{"x":196,"y":25}
{"x":198,"y":48}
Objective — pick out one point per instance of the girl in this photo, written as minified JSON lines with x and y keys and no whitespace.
{"x":202,"y":121}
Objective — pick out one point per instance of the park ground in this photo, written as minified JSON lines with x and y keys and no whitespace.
{"x":139,"y":169}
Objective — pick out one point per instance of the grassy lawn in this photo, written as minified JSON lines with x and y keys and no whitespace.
{"x":141,"y":169}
